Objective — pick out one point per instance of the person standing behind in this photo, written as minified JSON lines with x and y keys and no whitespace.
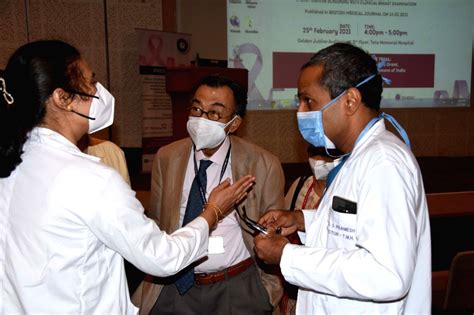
{"x":305,"y":193}
{"x":66,"y":219}
{"x":367,"y":249}
{"x":109,"y":153}
{"x":227,"y":281}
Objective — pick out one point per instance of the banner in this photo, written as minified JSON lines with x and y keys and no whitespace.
{"x":426,"y":46}
{"x":156,"y":51}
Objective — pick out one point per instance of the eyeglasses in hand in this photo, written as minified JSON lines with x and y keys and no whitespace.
{"x":252,"y":224}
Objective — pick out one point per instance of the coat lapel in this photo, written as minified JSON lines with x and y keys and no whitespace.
{"x":172,"y":200}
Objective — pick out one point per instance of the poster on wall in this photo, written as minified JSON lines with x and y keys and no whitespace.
{"x":156,"y":51}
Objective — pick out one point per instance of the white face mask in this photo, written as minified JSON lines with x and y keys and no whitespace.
{"x":101,"y":113}
{"x":206,"y":134}
{"x":322,"y":168}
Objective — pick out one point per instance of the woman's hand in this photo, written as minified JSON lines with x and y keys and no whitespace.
{"x":224,"y":197}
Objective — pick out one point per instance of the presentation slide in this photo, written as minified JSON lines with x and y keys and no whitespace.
{"x":426,"y":44}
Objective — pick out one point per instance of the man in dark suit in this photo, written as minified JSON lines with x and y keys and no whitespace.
{"x":228,"y":281}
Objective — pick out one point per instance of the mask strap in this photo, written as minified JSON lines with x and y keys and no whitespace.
{"x":392,"y":120}
{"x":397,"y":126}
{"x":98,"y":86}
{"x":229,"y":122}
{"x":366,"y":80}
{"x":223,"y":128}
{"x":82,"y":115}
{"x":333,"y":100}
{"x":380,"y":65}
{"x":335,"y":156}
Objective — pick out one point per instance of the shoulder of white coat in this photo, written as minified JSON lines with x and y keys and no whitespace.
{"x":79,"y":183}
{"x":386,"y":148}
{"x":84,"y":173}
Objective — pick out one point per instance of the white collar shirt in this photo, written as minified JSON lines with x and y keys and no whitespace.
{"x":228,"y":230}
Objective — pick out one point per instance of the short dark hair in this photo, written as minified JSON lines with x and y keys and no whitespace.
{"x":344,"y":66}
{"x":240,"y":94}
{"x":32,"y":74}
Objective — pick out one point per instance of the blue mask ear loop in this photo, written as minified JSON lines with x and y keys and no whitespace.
{"x":399,"y":128}
{"x":380,"y":65}
{"x":337,"y":98}
{"x":322,"y":109}
{"x":390,"y":118}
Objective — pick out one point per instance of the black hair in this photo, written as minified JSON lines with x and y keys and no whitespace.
{"x":240,"y":94}
{"x":344,"y":66}
{"x":32,"y":74}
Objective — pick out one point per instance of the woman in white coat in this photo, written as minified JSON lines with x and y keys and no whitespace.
{"x":66,"y":220}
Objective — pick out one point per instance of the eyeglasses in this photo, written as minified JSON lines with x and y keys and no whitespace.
{"x":82,"y":94}
{"x":252,"y":224}
{"x":296,"y":101}
{"x":211,"y":115}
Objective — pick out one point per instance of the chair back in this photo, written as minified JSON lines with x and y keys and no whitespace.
{"x":460,"y":290}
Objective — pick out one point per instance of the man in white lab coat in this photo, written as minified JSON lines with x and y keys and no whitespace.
{"x":367,"y":247}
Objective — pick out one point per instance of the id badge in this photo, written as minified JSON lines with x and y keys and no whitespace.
{"x":216,"y":245}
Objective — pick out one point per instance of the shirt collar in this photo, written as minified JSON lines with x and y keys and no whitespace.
{"x":48,"y":137}
{"x":378,"y":127}
{"x":219,"y":156}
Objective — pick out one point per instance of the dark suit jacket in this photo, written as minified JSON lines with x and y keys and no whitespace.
{"x":168,"y":173}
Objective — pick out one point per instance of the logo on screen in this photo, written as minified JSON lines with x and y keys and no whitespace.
{"x":234,"y":21}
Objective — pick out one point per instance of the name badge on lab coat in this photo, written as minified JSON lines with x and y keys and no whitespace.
{"x":216,"y":245}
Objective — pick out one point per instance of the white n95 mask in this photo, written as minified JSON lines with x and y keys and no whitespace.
{"x":321,"y":168}
{"x":205,"y":133}
{"x":101,"y":113}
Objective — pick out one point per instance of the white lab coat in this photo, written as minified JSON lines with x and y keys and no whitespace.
{"x":66,"y":220}
{"x":377,"y":261}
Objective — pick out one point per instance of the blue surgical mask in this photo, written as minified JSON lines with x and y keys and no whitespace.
{"x":310,"y":123}
{"x":311,"y":127}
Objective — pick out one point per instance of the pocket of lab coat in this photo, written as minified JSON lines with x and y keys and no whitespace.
{"x":341,"y":229}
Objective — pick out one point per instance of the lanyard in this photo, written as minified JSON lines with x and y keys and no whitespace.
{"x":224,"y":167}
{"x":394,"y":123}
{"x":332,"y":174}
{"x":367,"y":128}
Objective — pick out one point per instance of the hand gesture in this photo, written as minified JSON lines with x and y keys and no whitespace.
{"x":224,"y":197}
{"x":287,"y":221}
